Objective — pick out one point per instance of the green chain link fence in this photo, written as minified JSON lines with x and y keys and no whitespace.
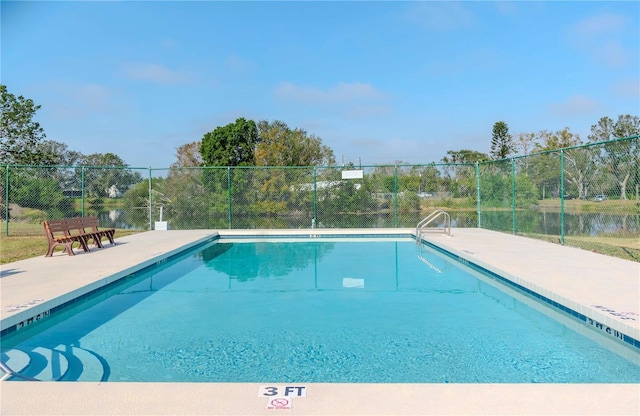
{"x":585,"y":196}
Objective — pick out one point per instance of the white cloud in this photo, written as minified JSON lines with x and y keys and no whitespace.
{"x":71,"y":101}
{"x":237,"y":64}
{"x":170,"y":43}
{"x":474,"y":60}
{"x":155,"y":73}
{"x":602,"y":38}
{"x":341,"y":93}
{"x":93,"y":96}
{"x":598,"y":25}
{"x":440,"y":15}
{"x":575,"y":105}
{"x":629,"y":88}
{"x":344,"y":100}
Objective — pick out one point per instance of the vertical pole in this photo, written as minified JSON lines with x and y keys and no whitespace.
{"x":229,"y":194}
{"x":562,"y":197}
{"x":513,"y":196}
{"x":395,"y":194}
{"x":314,"y":221}
{"x":478,"y":205}
{"x":82,"y":198}
{"x":150,"y":202}
{"x":6,"y":202}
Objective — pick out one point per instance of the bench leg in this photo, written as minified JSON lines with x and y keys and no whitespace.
{"x":84,"y":243}
{"x":50,"y":250}
{"x":66,"y":248}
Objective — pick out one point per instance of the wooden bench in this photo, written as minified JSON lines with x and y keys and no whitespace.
{"x":81,"y":230}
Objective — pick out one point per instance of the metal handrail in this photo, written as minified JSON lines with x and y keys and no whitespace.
{"x":8,"y":372}
{"x":430,"y":218}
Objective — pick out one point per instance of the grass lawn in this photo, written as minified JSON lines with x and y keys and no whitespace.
{"x":19,"y":247}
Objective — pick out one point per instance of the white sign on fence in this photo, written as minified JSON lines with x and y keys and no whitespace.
{"x":352,"y":174}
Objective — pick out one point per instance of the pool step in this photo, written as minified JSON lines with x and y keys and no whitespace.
{"x":83,"y":365}
{"x":62,"y":363}
{"x":15,"y":360}
{"x":44,"y":364}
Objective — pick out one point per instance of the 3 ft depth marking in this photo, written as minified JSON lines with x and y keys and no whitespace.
{"x":282,"y":391}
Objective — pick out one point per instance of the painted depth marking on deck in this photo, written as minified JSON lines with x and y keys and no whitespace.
{"x":279,"y":403}
{"x":282,"y":391}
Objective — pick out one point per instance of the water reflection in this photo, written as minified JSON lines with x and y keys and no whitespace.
{"x":246,"y":262}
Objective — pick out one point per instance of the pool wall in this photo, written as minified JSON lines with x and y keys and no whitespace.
{"x":613,"y":323}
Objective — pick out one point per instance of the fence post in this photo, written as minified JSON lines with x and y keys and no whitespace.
{"x":513,"y":196}
{"x":82,"y":191}
{"x":229,"y":194}
{"x":315,"y":198}
{"x":561,"y":196}
{"x":395,"y":193}
{"x":150,"y":203}
{"x":478,"y":205}
{"x":6,"y":202}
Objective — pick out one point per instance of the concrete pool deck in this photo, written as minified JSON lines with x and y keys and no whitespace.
{"x":605,"y":289}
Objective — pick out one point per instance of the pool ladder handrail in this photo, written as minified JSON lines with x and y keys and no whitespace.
{"x":8,"y":373}
{"x":429,"y":219}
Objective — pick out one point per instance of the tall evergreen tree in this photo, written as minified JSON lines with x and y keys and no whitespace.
{"x":501,"y":141}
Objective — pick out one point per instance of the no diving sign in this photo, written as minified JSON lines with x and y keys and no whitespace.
{"x":279,"y":403}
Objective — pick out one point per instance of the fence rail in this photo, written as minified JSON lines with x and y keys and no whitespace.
{"x":585,"y":196}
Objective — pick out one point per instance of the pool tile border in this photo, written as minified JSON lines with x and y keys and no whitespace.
{"x":42,"y":311}
{"x":604,"y":327}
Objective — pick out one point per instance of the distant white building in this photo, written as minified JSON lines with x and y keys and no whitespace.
{"x":321,"y":185}
{"x":113,"y":192}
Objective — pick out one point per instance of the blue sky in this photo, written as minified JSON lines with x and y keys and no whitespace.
{"x":378,"y":82}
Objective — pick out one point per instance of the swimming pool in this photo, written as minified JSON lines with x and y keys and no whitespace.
{"x":316,"y":310}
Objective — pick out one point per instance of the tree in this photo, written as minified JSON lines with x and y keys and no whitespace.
{"x":545,"y":168}
{"x":501,"y":141}
{"x":19,"y":134}
{"x":558,"y":140}
{"x":281,"y":146}
{"x":464,"y":156}
{"x":231,"y":145}
{"x":188,"y":155}
{"x":102,"y":171}
{"x":619,"y":158}
{"x":525,"y":142}
{"x":57,"y":153}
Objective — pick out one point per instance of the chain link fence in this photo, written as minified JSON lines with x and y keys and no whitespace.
{"x":585,"y":196}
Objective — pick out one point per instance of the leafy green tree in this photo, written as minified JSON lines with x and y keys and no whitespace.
{"x":34,"y":191}
{"x":543,"y":168}
{"x":501,"y":141}
{"x":620,"y":158}
{"x":228,"y":146}
{"x":281,"y":146}
{"x":464,"y":156}
{"x":547,"y":140}
{"x":460,"y":180}
{"x":231,"y":145}
{"x":20,"y":135}
{"x":103,"y":170}
{"x":58,"y":153}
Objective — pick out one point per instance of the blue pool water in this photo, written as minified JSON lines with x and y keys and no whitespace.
{"x":315,"y":310}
